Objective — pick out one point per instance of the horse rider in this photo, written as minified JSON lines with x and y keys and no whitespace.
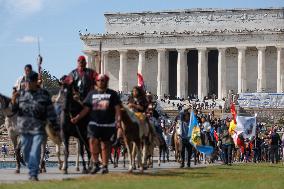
{"x":103,"y":106}
{"x":186,"y":146}
{"x":20,"y":83}
{"x":206,"y":131}
{"x":34,"y":108}
{"x":83,"y":79}
{"x":137,"y":102}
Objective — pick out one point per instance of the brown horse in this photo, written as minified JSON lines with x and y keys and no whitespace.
{"x":133,"y":139}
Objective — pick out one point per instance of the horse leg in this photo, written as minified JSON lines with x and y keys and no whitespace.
{"x":78,"y":146}
{"x":160,"y":154}
{"x":81,"y":144}
{"x":164,"y":153}
{"x":116,"y":157}
{"x":110,"y":155}
{"x":144,"y":154}
{"x":124,"y":157}
{"x":66,"y":154}
{"x":127,"y":145}
{"x":57,"y":149}
{"x":17,"y":150}
{"x":42,"y":168}
{"x":139,"y":156}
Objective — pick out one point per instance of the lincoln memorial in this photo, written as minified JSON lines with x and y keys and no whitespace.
{"x":191,"y":51}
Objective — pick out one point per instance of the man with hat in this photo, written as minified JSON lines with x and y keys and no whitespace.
{"x":34,"y":108}
{"x":103,"y":106}
{"x":83,"y":78}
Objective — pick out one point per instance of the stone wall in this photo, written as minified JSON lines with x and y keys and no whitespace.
{"x":195,"y":20}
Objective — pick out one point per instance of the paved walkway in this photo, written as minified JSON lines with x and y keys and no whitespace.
{"x":8,"y":175}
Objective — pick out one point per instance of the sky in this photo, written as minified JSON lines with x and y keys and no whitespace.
{"x":56,"y":23}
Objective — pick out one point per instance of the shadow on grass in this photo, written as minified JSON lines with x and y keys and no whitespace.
{"x":179,"y":173}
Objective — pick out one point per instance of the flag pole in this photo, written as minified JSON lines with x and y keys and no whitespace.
{"x":39,"y":62}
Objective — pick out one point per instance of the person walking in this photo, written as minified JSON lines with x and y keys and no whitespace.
{"x":186,"y":146}
{"x":103,"y":105}
{"x":275,"y":142}
{"x":34,"y":108}
{"x":227,"y":143}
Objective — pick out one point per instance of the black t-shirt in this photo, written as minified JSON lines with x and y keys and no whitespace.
{"x":275,"y":139}
{"x":102,"y":107}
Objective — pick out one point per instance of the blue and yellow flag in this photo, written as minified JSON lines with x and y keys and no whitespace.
{"x":195,"y":136}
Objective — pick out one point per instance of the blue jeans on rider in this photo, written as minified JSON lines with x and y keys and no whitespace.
{"x":31,"y":148}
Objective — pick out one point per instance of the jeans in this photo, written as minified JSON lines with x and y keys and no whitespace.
{"x":31,"y":148}
{"x":274,"y":153}
{"x":188,"y":147}
{"x":227,"y":149}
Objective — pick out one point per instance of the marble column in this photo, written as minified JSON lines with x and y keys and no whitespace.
{"x":222,"y":89}
{"x":104,"y":67}
{"x":242,"y":82}
{"x":261,"y":76}
{"x":202,"y":73}
{"x":91,"y":58}
{"x":161,"y":73}
{"x":280,"y":69}
{"x":141,"y":62}
{"x":182,"y":78}
{"x":122,"y":84}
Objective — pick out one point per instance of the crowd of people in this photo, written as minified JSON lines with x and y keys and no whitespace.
{"x":102,"y":106}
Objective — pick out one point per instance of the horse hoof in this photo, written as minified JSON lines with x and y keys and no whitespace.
{"x":65,"y":172}
{"x":17,"y":171}
{"x":159,"y":164}
{"x":44,"y":170}
{"x":77,"y":169}
{"x":84,"y":171}
{"x":40,"y":171}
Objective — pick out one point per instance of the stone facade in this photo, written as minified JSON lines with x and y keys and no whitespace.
{"x":250,"y":44}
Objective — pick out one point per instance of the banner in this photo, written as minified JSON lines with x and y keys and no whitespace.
{"x":246,"y":125}
{"x":195,"y":137}
{"x":261,"y":100}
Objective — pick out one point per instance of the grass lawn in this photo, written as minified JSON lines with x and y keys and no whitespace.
{"x":246,"y":176}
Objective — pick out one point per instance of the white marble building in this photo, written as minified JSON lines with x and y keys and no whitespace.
{"x":195,"y":51}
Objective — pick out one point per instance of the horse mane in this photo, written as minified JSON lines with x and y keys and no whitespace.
{"x":130,"y":114}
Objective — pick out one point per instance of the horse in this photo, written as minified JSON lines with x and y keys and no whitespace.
{"x":177,"y":140}
{"x":10,"y":124}
{"x":70,"y":108}
{"x":133,"y":139}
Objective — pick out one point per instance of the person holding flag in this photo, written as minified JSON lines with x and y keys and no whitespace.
{"x":227,"y":142}
{"x":195,"y":136}
{"x":186,"y":146}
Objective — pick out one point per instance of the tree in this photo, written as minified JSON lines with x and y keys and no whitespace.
{"x":50,"y":83}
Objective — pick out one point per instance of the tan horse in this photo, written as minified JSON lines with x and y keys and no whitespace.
{"x":134,"y":139}
{"x":177,"y":141}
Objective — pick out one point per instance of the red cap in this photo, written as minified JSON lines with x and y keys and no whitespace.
{"x":81,"y":59}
